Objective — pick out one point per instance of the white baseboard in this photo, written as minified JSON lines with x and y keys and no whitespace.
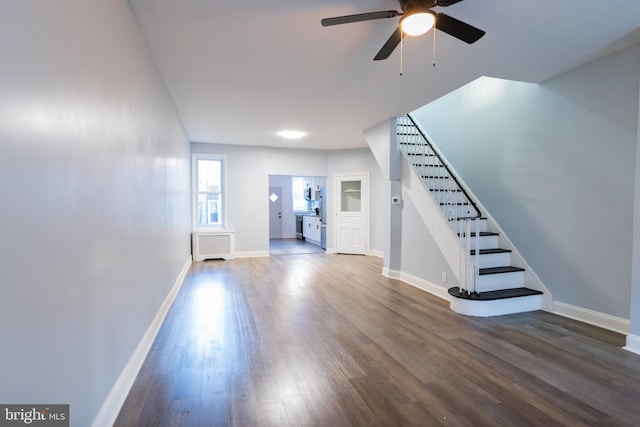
{"x":417,"y":282}
{"x":498,"y":307}
{"x":633,"y":343}
{"x":602,"y":320}
{"x":376,"y":253}
{"x":252,"y":254}
{"x":114,"y":401}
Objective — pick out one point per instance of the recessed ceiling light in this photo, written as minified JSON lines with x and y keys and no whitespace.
{"x":291,"y":134}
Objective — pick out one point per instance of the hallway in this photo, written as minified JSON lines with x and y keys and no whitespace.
{"x":292,"y":247}
{"x":326,"y":340}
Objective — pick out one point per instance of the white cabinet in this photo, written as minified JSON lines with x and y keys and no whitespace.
{"x":311,"y":226}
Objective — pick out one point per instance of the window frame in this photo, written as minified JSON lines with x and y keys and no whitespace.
{"x":222,"y":211}
{"x":293,"y":196}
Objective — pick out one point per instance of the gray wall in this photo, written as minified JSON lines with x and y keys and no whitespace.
{"x":421,"y":256}
{"x":95,"y":218}
{"x":635,"y":259}
{"x":554,"y":164}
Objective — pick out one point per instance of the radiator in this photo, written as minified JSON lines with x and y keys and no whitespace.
{"x":212,"y":245}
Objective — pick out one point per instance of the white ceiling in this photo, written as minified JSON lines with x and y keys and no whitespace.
{"x":239,"y":71}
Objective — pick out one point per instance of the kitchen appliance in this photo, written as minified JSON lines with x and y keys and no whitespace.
{"x":299,"y":234}
{"x":323,"y":236}
{"x":322,"y":205}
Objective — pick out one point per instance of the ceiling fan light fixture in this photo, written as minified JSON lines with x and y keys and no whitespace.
{"x":417,"y":22}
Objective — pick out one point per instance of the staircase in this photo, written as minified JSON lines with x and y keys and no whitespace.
{"x":489,"y":283}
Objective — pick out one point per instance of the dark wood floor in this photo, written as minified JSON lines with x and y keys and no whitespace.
{"x":325,"y":340}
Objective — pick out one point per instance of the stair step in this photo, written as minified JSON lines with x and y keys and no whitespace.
{"x":493,"y":295}
{"x":490,"y":251}
{"x":482,"y":233}
{"x":499,"y":270}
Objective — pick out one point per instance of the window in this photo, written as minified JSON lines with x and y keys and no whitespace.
{"x":208,"y":185}
{"x":297,"y":194}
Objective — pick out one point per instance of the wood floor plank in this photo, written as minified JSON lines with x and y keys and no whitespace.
{"x":326,"y":340}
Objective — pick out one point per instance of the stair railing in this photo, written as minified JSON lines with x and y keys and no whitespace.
{"x":459,"y":209}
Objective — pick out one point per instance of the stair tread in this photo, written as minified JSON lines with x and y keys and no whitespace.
{"x":484,"y":219}
{"x":499,"y":270}
{"x":491,"y":251}
{"x":494,"y":295}
{"x":482,"y":233}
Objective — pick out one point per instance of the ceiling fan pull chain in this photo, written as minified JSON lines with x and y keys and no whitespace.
{"x":434,"y":45}
{"x":401,"y":39}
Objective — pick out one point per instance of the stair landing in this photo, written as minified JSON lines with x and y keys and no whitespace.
{"x":495,"y":303}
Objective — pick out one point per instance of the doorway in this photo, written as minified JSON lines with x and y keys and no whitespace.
{"x":288,"y":202}
{"x":275,"y":213}
{"x":352,"y":213}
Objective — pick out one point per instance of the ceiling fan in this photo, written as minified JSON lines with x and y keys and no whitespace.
{"x":412,"y":11}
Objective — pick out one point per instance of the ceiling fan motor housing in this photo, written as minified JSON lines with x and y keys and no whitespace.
{"x":410,"y":4}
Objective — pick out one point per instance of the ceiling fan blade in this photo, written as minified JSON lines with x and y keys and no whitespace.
{"x":458,"y":29}
{"x":445,"y":3}
{"x":389,"y":45}
{"x":358,"y":17}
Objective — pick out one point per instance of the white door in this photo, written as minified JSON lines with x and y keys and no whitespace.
{"x":352,"y":211}
{"x":275,"y":213}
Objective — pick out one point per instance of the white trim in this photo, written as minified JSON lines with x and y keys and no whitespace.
{"x":416,"y":282}
{"x":116,"y":397}
{"x":365,"y":179}
{"x":391,"y":274}
{"x":375,"y":253}
{"x":194,"y":192}
{"x":252,"y":254}
{"x":633,"y":344}
{"x":498,"y":307}
{"x":602,"y":320}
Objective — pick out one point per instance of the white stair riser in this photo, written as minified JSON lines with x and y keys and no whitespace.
{"x":497,"y":307}
{"x":448,"y":197}
{"x":486,"y":242}
{"x":493,"y":260}
{"x":495,"y":282}
{"x":482,"y":226}
{"x":438,"y":183}
{"x":458,"y":211}
{"x":431,"y":170}
{"x":417,"y":151}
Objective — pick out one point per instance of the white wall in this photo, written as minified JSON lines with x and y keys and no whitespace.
{"x":248,"y":170}
{"x":95,"y":217}
{"x":554,"y":164}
